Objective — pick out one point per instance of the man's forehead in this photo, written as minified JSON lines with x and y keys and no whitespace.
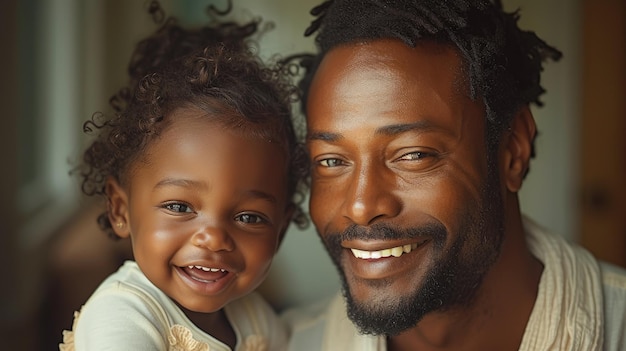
{"x":385,"y":84}
{"x":389,"y":56}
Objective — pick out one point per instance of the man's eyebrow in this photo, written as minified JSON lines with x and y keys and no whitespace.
{"x":385,"y":130}
{"x":421,"y":126}
{"x":323,"y":136}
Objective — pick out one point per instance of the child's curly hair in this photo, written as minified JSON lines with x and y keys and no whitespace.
{"x":212,"y":69}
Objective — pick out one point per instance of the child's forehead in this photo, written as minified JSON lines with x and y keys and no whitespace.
{"x":214,"y":132}
{"x":199,"y":139}
{"x":264,"y":127}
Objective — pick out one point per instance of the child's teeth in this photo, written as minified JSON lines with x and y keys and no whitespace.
{"x":206,"y":269}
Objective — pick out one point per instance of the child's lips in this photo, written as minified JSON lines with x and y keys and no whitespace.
{"x":206,"y":281}
{"x":205,"y":274}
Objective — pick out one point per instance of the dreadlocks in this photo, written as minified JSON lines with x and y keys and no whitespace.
{"x":501,"y":62}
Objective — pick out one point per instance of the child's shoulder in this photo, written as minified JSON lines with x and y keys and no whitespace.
{"x":124,"y":306}
{"x":127,"y":280}
{"x":124,"y":291}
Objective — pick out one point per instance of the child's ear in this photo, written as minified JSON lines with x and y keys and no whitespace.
{"x":117,"y":207}
{"x":518,"y":148}
{"x":289,"y":212}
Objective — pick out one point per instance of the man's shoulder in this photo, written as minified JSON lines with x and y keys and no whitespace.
{"x":326,"y":326}
{"x":307,"y":323}
{"x":613,"y":277}
{"x":614,"y":287}
{"x":307,"y":316}
{"x":614,"y":292}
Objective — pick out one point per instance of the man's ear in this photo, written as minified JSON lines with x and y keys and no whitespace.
{"x":117,"y":207}
{"x":518,"y":148}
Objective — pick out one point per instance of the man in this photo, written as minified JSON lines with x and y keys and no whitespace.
{"x":420,"y":136}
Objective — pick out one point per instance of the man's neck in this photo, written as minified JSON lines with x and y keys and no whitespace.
{"x":498,"y":317}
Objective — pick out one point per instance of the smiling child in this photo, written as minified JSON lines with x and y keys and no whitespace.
{"x":199,"y":167}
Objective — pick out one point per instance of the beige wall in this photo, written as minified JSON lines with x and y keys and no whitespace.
{"x":550,"y":193}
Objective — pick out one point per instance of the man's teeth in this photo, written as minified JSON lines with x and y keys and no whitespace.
{"x":394,"y":251}
{"x":207,"y":269}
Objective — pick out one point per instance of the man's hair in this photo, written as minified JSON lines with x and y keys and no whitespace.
{"x":502,"y":63}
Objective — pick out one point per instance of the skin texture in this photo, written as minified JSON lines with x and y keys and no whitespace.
{"x":400,"y":158}
{"x":204,"y":195}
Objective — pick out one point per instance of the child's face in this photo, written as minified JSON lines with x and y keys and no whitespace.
{"x":205,"y":209}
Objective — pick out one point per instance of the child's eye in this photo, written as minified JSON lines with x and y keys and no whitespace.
{"x":178,"y":207}
{"x":250,"y":218}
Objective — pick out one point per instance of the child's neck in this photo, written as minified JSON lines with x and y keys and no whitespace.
{"x":216,"y":324}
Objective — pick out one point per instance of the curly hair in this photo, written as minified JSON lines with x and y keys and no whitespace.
{"x":211,"y":68}
{"x":502,"y":63}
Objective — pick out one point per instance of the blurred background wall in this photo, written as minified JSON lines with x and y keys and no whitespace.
{"x":62,"y":59}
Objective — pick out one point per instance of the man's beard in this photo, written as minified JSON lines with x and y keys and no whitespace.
{"x":452,"y":281}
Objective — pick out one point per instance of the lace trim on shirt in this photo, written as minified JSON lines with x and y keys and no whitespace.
{"x":181,"y":339}
{"x":68,"y":336}
{"x":255,"y":343}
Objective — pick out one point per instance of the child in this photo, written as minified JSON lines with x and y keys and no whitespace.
{"x":199,"y":167}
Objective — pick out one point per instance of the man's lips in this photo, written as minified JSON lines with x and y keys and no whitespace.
{"x":367,"y":252}
{"x":396,"y":251}
{"x":382,"y":260}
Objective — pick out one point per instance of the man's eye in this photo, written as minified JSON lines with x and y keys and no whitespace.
{"x":178,"y":207}
{"x":330,"y":162}
{"x":249,"y":218}
{"x":418,"y":155}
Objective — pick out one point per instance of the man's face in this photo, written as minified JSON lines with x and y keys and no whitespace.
{"x":403,"y":194}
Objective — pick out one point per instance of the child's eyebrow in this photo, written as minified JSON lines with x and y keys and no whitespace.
{"x":188,"y":183}
{"x":185,"y":183}
{"x":263,"y":195}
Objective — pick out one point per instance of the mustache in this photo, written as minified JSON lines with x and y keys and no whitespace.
{"x":382,"y":231}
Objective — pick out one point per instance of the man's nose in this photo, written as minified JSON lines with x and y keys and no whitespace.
{"x":371,"y":196}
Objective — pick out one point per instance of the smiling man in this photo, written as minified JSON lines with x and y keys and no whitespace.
{"x":420,"y":136}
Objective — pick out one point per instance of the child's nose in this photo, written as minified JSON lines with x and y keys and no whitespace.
{"x":214,"y":239}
